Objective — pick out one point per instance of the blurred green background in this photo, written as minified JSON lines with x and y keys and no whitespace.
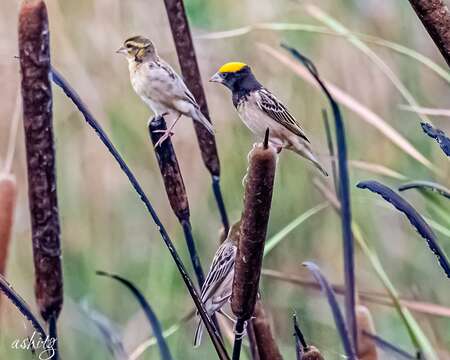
{"x":105,"y":226}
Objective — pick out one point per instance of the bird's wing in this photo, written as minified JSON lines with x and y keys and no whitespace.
{"x":270,"y":105}
{"x":180,"y":90}
{"x":221,"y":266}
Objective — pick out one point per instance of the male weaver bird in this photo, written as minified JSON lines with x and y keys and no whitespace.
{"x":259,"y":109}
{"x":216,"y":290}
{"x":158,"y":85}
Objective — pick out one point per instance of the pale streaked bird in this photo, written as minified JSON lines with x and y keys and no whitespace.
{"x":158,"y":85}
{"x":259,"y":109}
{"x":216,"y":290}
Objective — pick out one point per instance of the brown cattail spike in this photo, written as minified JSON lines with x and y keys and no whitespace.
{"x":267,"y":347}
{"x":191,"y":75}
{"x":8,"y":190}
{"x":312,"y":353}
{"x":257,"y":203}
{"x":435,"y":16}
{"x":170,"y":170}
{"x":367,"y":349}
{"x":34,"y":50}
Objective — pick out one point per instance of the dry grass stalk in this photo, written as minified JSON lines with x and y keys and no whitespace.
{"x":435,"y":17}
{"x":267,"y":347}
{"x":8,"y":192}
{"x":367,"y":349}
{"x":34,"y":49}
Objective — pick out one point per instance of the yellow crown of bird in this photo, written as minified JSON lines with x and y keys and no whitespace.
{"x":232,"y":67}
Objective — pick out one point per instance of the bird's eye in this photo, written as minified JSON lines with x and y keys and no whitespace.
{"x":128,"y":46}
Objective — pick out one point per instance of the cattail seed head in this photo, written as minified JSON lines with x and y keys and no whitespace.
{"x":34,"y":50}
{"x":255,"y":217}
{"x":367,"y":349}
{"x":170,"y":170}
{"x":267,"y":347}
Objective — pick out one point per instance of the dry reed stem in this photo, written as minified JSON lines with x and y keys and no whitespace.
{"x":8,"y":192}
{"x":267,"y":347}
{"x":367,"y":349}
{"x":435,"y":17}
{"x":34,"y":50}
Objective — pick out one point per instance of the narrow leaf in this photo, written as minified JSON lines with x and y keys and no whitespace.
{"x":337,"y":315}
{"x":151,"y":316}
{"x":441,"y":137}
{"x":344,"y":195}
{"x":280,"y":235}
{"x":427,"y":185}
{"x":418,"y":337}
{"x":413,"y":216}
{"x":92,"y":122}
{"x":22,"y":306}
{"x":328,"y":20}
{"x":351,"y":103}
{"x":389,"y":347}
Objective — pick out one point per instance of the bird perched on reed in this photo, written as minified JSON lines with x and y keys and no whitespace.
{"x":259,"y":109}
{"x":158,"y":85}
{"x":216,"y":290}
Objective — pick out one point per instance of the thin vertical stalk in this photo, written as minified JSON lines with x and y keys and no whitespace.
{"x":34,"y":49}
{"x":189,"y":68}
{"x":53,"y":337}
{"x":255,"y":218}
{"x":175,"y":189}
{"x":92,"y":122}
{"x":331,"y":150}
{"x":344,"y":195}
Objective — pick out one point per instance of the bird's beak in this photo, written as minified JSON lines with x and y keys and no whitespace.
{"x":216,"y":78}
{"x":122,"y":50}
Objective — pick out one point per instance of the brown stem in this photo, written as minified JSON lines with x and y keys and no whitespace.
{"x":435,"y":16}
{"x":191,"y":74}
{"x":267,"y":347}
{"x":34,"y":50}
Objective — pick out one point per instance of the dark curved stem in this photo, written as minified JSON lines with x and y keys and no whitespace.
{"x":187,"y":229}
{"x":238,"y":335}
{"x":220,"y":203}
{"x":70,"y":92}
{"x":344,"y":196}
{"x":53,"y":335}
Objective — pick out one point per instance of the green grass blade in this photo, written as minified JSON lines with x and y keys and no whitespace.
{"x":280,"y":235}
{"x":318,"y":14}
{"x":399,"y":48}
{"x":416,"y":334}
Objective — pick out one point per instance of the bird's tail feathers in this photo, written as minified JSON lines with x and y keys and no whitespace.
{"x":198,"y":116}
{"x":307,"y":153}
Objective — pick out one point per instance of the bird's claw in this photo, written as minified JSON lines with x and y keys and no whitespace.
{"x":166,"y":135}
